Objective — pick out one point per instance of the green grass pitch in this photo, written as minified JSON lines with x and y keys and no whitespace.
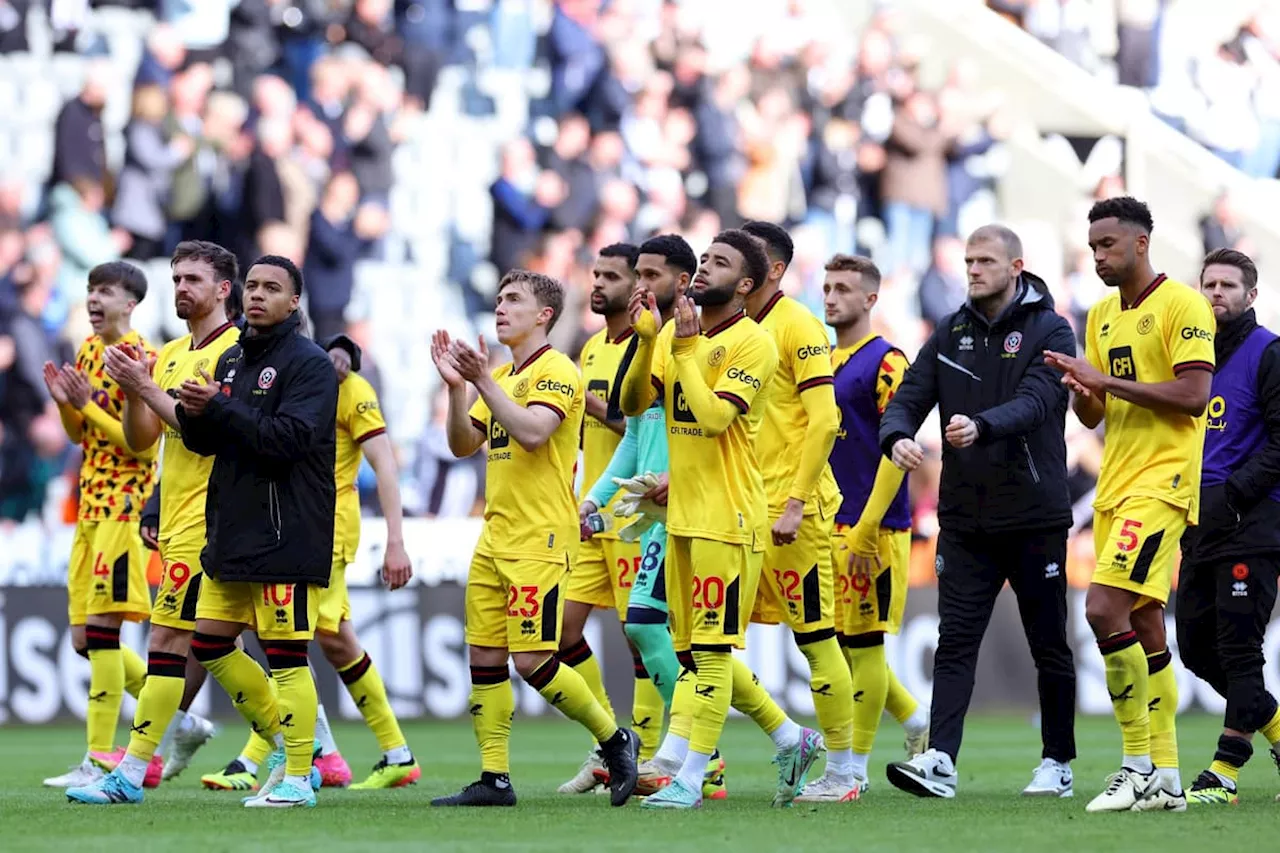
{"x":988,"y":815}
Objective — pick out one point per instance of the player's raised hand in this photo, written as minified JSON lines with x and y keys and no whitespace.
{"x":397,"y":568}
{"x":642,"y":309}
{"x":961,"y":431}
{"x":195,"y":396}
{"x":1083,"y":374}
{"x":77,"y":385}
{"x":471,"y":365}
{"x":907,"y":454}
{"x":444,"y":364}
{"x":53,"y":381}
{"x":686,"y":318}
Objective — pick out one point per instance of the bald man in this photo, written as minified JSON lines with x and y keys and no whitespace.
{"x":1003,"y":509}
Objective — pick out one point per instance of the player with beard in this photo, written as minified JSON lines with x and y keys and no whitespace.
{"x":606,"y":566}
{"x":708,"y":370}
{"x":202,"y":278}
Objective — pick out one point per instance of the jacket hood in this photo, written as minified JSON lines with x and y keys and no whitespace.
{"x":1031,"y":294}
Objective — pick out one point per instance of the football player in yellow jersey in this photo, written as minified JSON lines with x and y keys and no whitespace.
{"x":797,"y":581}
{"x":106,"y":576}
{"x":709,"y":371}
{"x":202,"y":279}
{"x":606,"y":566}
{"x":1147,"y":372}
{"x":530,"y":412}
{"x":872,"y":537}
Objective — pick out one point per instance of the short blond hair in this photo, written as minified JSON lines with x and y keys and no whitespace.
{"x":548,"y":292}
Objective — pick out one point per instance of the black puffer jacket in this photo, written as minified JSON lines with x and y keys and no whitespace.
{"x":271,"y":498}
{"x":1015,"y":476}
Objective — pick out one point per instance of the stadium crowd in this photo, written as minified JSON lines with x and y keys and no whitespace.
{"x":274,"y":127}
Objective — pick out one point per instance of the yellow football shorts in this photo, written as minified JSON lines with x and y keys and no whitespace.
{"x":711,"y":590}
{"x":603,"y":574}
{"x":797,"y":584}
{"x":1135,"y":544}
{"x":276,"y":611}
{"x":514,"y":604}
{"x":107,"y":572}
{"x":335,"y":603}
{"x":179,"y":591}
{"x":867,"y":605}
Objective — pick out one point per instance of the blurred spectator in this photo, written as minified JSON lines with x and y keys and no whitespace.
{"x":944,"y":286}
{"x":142,"y":191}
{"x":162,"y":57}
{"x":13,"y":25}
{"x":340,"y":229}
{"x":914,"y":185}
{"x":78,"y":141}
{"x":84,"y":238}
{"x":1220,"y":227}
{"x":1136,"y":24}
{"x":523,"y":198}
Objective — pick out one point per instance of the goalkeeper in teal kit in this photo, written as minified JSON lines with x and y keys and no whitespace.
{"x":664,"y":268}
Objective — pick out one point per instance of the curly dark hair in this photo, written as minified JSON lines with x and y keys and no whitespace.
{"x":1125,"y":209}
{"x":678,"y":253}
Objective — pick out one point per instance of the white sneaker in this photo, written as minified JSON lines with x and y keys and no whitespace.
{"x":1160,"y":798}
{"x":275,"y":775}
{"x":584,"y":782}
{"x":829,"y":789}
{"x":1050,"y":779}
{"x":917,"y":741}
{"x":185,"y":743}
{"x":929,"y":774}
{"x":84,"y":773}
{"x":1124,"y":788}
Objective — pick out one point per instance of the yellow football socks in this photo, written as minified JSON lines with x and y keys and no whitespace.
{"x":870,"y":690}
{"x":1162,"y":705}
{"x":712,"y":693}
{"x":832,"y":689}
{"x":106,"y":687}
{"x":1225,"y":770}
{"x":493,"y":703}
{"x":753,"y":700}
{"x":568,"y":693}
{"x":1127,"y":683}
{"x":244,"y":681}
{"x":647,"y":708}
{"x":898,"y":700}
{"x":681,"y":720}
{"x":157,"y":703}
{"x":1271,"y":731}
{"x":370,"y":695}
{"x":298,"y":703}
{"x":584,"y":663}
{"x":135,"y":671}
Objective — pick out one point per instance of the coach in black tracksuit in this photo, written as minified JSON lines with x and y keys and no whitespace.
{"x":1230,"y":560}
{"x":1003,"y":506}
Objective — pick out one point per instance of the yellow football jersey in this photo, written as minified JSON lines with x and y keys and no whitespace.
{"x":604,"y":364}
{"x":716,"y":489}
{"x":529,"y":511}
{"x":1168,"y":330}
{"x":804,"y":363}
{"x":185,"y":474}
{"x":114,"y":483}
{"x":359,"y":419}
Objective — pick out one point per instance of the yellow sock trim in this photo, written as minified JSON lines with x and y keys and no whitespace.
{"x":106,"y":691}
{"x":1162,"y":705}
{"x":492,"y":705}
{"x":1271,"y":731}
{"x":898,"y":700}
{"x":568,"y":693}
{"x":135,"y":671}
{"x":870,"y":689}
{"x":753,"y":700}
{"x":647,"y":709}
{"x":1222,"y":768}
{"x":370,"y":695}
{"x":157,"y":703}
{"x":711,"y":699}
{"x":298,"y":709}
{"x":832,"y":689}
{"x":1127,"y":683}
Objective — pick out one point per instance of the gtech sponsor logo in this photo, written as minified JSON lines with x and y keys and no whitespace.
{"x":367,"y":406}
{"x":555,"y":386}
{"x":1190,"y":332}
{"x":812,"y":352}
{"x":743,"y":377}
